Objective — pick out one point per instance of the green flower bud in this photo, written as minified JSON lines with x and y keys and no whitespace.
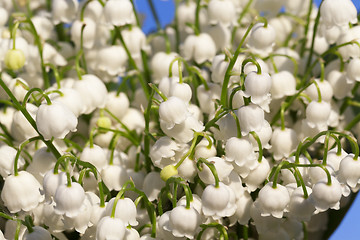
{"x":103,"y":122}
{"x":167,"y":172}
{"x":14,"y":59}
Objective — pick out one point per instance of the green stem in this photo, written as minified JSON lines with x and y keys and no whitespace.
{"x":211,"y":167}
{"x":155,"y":15}
{"x":303,"y":185}
{"x":22,"y":145}
{"x":238,"y":127}
{"x":256,"y":137}
{"x":197,"y":17}
{"x":30,"y":119}
{"x":224,"y":89}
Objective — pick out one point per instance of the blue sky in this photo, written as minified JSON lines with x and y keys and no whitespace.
{"x":349,"y":229}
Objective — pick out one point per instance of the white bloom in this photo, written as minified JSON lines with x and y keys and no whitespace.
{"x":55,"y":120}
{"x":119,"y":12}
{"x":21,"y":192}
{"x":70,"y":98}
{"x":173,"y":111}
{"x":243,"y":204}
{"x":353,"y":70}
{"x":254,"y":178}
{"x":218,"y":202}
{"x":117,"y":104}
{"x":93,"y":92}
{"x":261,"y":39}
{"x":69,"y":200}
{"x":317,"y":114}
{"x":273,"y":201}
{"x":340,"y":83}
{"x":241,"y":151}
{"x":352,"y":50}
{"x":160,"y":64}
{"x":39,"y":233}
{"x":135,"y":40}
{"x":152,"y":185}
{"x":125,"y":210}
{"x":64,"y":10}
{"x":201,"y":48}
{"x":7,"y":158}
{"x":206,"y":97}
{"x":326,"y":196}
{"x":114,"y":176}
{"x":283,"y":84}
{"x":43,"y":160}
{"x":181,"y":227}
{"x":301,"y":208}
{"x":251,"y":118}
{"x":221,"y":11}
{"x":338,"y":12}
{"x":349,"y":171}
{"x":89,"y":33}
{"x":326,"y":90}
{"x":223,"y":169}
{"x":171,"y":87}
{"x":94,"y":155}
{"x":51,"y":182}
{"x":110,"y":228}
{"x":283,"y":142}
{"x":257,"y":86}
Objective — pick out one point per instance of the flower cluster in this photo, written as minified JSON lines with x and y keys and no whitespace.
{"x":239,"y":118}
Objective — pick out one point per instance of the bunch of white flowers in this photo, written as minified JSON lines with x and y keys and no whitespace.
{"x":238,"y":119}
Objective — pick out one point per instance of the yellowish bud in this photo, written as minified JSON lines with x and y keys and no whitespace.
{"x":167,"y":172}
{"x":103,"y":122}
{"x":14,"y":59}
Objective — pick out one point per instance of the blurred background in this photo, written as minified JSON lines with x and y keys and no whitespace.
{"x":349,"y":228}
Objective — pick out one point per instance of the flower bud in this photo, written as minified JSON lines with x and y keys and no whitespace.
{"x":167,"y":172}
{"x":14,"y":59}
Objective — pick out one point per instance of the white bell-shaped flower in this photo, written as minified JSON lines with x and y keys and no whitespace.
{"x":117,"y":104}
{"x":112,"y":60}
{"x":254,"y":178}
{"x":243,"y":204}
{"x":283,"y":84}
{"x":88,"y":33}
{"x":301,"y":208}
{"x":261,"y":39}
{"x":152,"y":185}
{"x":180,"y":228}
{"x":70,"y":98}
{"x":125,"y":210}
{"x":135,"y":40}
{"x":283,"y":62}
{"x":51,"y":182}
{"x":283,"y":142}
{"x":21,"y":129}
{"x":338,"y":12}
{"x":171,"y":87}
{"x":257,"y":86}
{"x":353,"y":70}
{"x":334,"y":159}
{"x":325,"y":88}
{"x":186,"y":14}
{"x":341,"y":85}
{"x":119,"y":12}
{"x":64,"y":10}
{"x":251,"y":118}
{"x":240,"y":151}
{"x":317,"y":114}
{"x":221,"y":11}
{"x":69,"y":199}
{"x":38,"y":233}
{"x":110,"y":228}
{"x":272,"y":201}
{"x":202,"y":149}
{"x":93,"y":92}
{"x":200,"y":47}
{"x":325,"y":196}
{"x":173,"y":111}
{"x":352,"y":50}
{"x":160,"y":64}
{"x":218,"y":202}
{"x":21,"y":192}
{"x":7,"y":158}
{"x":114,"y":176}
{"x":264,"y":134}
{"x":349,"y":172}
{"x":55,"y":120}
{"x":43,"y":161}
{"x":207,"y":97}
{"x":166,"y":151}
{"x":184,"y":131}
{"x":223,"y":169}
{"x":94,"y":155}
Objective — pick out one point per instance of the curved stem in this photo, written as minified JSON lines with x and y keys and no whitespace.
{"x":211,"y":167}
{"x":256,"y":137}
{"x":22,"y":145}
{"x":223,"y":97}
